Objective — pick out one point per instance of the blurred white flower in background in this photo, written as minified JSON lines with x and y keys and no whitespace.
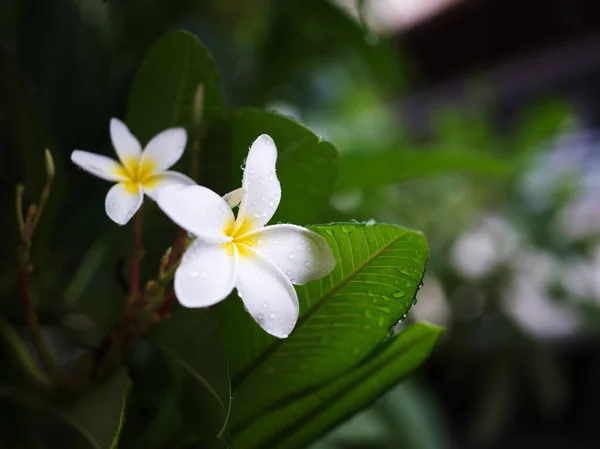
{"x":528,"y":302}
{"x":477,"y":252}
{"x":432,"y":303}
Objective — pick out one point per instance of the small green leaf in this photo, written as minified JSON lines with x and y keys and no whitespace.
{"x":343,"y":317}
{"x":306,"y":165}
{"x":164,"y":89}
{"x":298,"y":423}
{"x":391,"y":167}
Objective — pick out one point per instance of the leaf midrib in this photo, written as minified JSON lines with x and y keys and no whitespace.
{"x":241,"y":378}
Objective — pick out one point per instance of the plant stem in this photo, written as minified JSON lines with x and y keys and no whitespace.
{"x":136,"y":259}
{"x":166,"y":306}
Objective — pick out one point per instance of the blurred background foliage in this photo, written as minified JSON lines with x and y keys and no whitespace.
{"x":481,"y":140}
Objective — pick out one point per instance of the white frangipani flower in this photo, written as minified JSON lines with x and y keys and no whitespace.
{"x":260,"y":261}
{"x":138,"y":171}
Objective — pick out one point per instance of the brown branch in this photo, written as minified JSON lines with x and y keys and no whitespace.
{"x":136,"y":259}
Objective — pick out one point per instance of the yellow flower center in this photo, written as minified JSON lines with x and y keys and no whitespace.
{"x":139,"y":172}
{"x":240,"y":241}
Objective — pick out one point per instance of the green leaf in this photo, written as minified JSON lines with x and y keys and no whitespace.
{"x":298,"y":423}
{"x":164,"y":88}
{"x":343,"y":317}
{"x":392,"y":167}
{"x":191,"y":342}
{"x":306,"y":165}
{"x":540,"y":122}
{"x":94,"y":419}
{"x":101,"y":409}
{"x":163,"y":95}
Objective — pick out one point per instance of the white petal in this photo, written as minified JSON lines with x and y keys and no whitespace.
{"x":125,"y":143}
{"x":121,"y":203}
{"x":263,"y":191}
{"x":267,"y":294}
{"x":234,"y":198}
{"x":301,"y":254}
{"x":168,"y":178}
{"x":166,"y":148}
{"x":206,"y":275}
{"x":101,"y":166}
{"x":198,"y":210}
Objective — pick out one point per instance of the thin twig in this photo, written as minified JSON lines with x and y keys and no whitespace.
{"x":166,"y":306}
{"x":136,"y":259}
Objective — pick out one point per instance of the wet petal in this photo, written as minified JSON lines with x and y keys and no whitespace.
{"x":122,"y":202}
{"x":301,"y":254}
{"x":206,"y":275}
{"x":263,"y":190}
{"x":267,"y":294}
{"x":101,"y":166}
{"x":234,"y":198}
{"x":166,"y":148}
{"x":198,"y":210}
{"x":125,"y":143}
{"x":167,"y":178}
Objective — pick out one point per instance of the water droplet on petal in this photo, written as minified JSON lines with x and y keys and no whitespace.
{"x":291,"y":256}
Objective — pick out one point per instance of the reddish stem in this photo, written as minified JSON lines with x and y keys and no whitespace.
{"x":138,"y":254}
{"x":166,"y":306}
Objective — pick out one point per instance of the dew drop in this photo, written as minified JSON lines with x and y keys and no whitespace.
{"x":194,"y":274}
{"x":399,"y":294}
{"x":291,"y":256}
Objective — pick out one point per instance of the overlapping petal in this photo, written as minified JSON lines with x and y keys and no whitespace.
{"x":205,"y":276}
{"x":263,"y":191}
{"x":301,"y":254}
{"x":267,"y":294}
{"x":122,"y":202}
{"x":125,"y":143}
{"x":235,"y":197}
{"x":101,"y":166}
{"x":198,"y":210}
{"x":167,"y":178}
{"x":165,"y":149}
